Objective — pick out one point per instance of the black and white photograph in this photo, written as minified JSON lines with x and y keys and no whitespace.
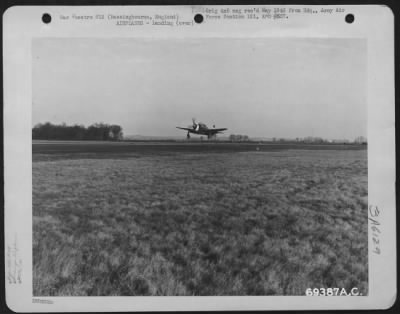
{"x":199,"y":167}
{"x":230,"y":155}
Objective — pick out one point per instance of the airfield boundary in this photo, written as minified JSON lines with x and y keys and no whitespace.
{"x":146,"y":147}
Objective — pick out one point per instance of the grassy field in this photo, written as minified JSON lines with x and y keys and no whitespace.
{"x":245,"y":223}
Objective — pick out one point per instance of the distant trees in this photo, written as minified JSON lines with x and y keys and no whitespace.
{"x":97,"y":131}
{"x":313,"y":139}
{"x":238,"y":138}
{"x":360,"y":140}
{"x":116,"y":131}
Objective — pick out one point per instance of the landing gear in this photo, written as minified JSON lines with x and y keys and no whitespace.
{"x":188,"y":135}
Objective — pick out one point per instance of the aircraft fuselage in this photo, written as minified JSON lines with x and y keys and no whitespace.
{"x":202,"y":129}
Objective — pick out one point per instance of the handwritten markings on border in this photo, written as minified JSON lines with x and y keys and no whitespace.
{"x":375,"y":227}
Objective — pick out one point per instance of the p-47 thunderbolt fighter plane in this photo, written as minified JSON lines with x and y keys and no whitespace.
{"x":201,"y":129}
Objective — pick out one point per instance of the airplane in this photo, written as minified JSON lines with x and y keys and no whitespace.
{"x":201,"y":129}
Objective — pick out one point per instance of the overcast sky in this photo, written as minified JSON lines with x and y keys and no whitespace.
{"x":262,"y":88}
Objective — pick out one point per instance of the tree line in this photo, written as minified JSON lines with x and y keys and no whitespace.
{"x":96,"y":131}
{"x":238,"y":138}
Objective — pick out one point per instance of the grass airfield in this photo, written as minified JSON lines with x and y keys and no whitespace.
{"x":198,"y":218}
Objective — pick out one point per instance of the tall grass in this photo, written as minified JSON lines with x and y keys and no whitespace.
{"x":201,"y":224}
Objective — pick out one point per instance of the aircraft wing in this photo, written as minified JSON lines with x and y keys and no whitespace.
{"x":186,"y":129}
{"x":217,"y":130}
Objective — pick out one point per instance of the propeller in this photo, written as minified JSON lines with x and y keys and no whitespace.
{"x":194,"y":123}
